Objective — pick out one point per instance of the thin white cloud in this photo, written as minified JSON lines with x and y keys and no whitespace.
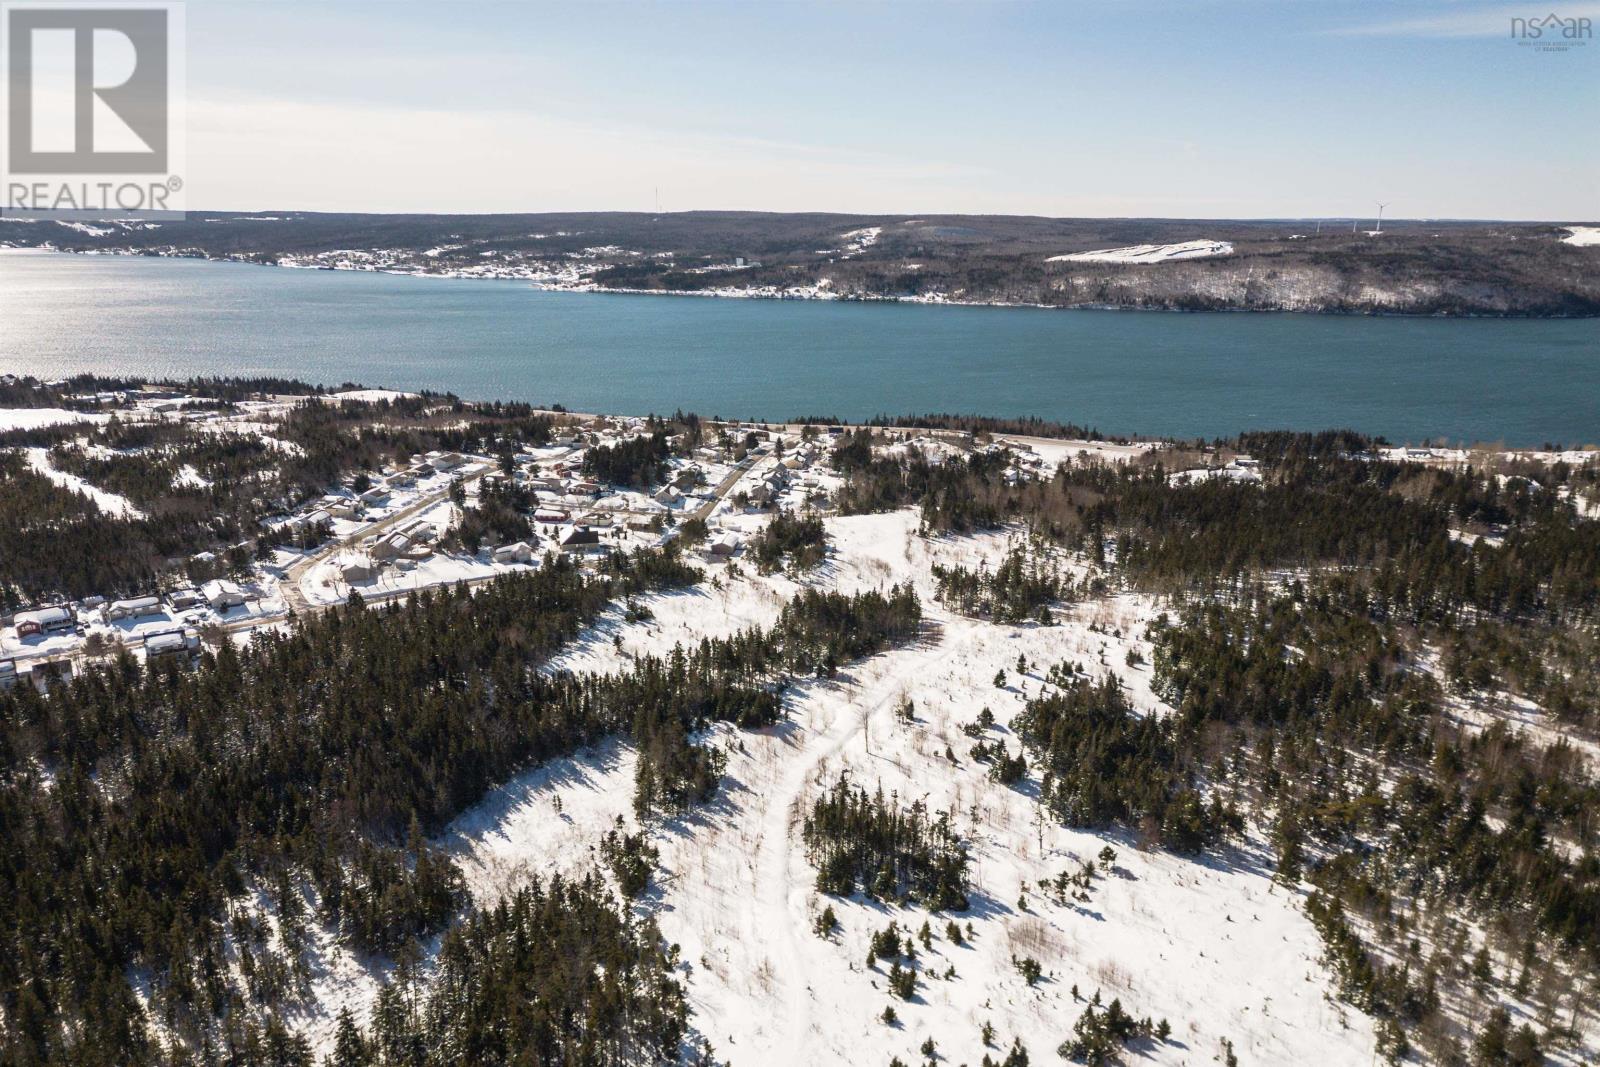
{"x":336,"y":156}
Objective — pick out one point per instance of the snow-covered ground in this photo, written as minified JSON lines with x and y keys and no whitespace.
{"x":1055,"y":450}
{"x":1148,"y":253}
{"x":371,"y":395}
{"x":38,"y":418}
{"x":1211,"y":945}
{"x":1582,"y":235}
{"x":108,"y":502}
{"x":1206,"y":474}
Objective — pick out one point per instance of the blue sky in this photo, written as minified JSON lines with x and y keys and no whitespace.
{"x":1206,"y":108}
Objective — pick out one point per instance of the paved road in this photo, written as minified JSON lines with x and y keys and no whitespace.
{"x":724,"y":488}
{"x":294,"y":596}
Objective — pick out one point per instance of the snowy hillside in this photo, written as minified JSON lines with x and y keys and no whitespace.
{"x":1149,"y":253}
{"x":1215,"y":948}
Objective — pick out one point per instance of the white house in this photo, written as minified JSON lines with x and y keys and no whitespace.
{"x":357,"y":568}
{"x":138,"y":607}
{"x":519,"y":552}
{"x":222,"y":594}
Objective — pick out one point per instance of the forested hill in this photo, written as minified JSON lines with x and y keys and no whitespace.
{"x":1411,"y":267}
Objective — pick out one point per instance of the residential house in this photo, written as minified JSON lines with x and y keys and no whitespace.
{"x":138,"y":607}
{"x":44,"y":621}
{"x":222,"y":594}
{"x":582,"y":539}
{"x":723,"y":545}
{"x":389,"y":546}
{"x":517,"y":552}
{"x":184,"y":598}
{"x":357,"y":569}
{"x":169,"y":643}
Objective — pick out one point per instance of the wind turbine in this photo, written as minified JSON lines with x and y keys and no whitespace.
{"x":1381,"y":206}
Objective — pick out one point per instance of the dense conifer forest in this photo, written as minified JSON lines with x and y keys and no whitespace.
{"x":867,"y":841}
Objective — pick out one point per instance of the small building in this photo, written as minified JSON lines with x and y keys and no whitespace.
{"x":357,"y":569}
{"x":581,"y":539}
{"x":48,"y":673}
{"x":518,"y":552}
{"x":420,"y":532}
{"x":667,"y":495}
{"x":138,"y":607}
{"x":389,"y":546}
{"x":8,"y":674}
{"x":184,"y":598}
{"x":168,"y":643}
{"x":44,"y":621}
{"x":723,"y":545}
{"x":550,"y":515}
{"x":222,"y":594}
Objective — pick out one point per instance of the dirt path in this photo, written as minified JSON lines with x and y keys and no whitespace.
{"x":782,"y":874}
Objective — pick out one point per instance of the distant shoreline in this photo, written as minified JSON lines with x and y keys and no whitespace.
{"x":798,"y":294}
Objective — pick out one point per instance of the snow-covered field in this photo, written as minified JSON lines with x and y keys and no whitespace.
{"x":38,"y":418}
{"x":1212,"y":946}
{"x":1582,"y":235}
{"x":1055,"y":450}
{"x":1206,"y":474}
{"x":1148,"y":253}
